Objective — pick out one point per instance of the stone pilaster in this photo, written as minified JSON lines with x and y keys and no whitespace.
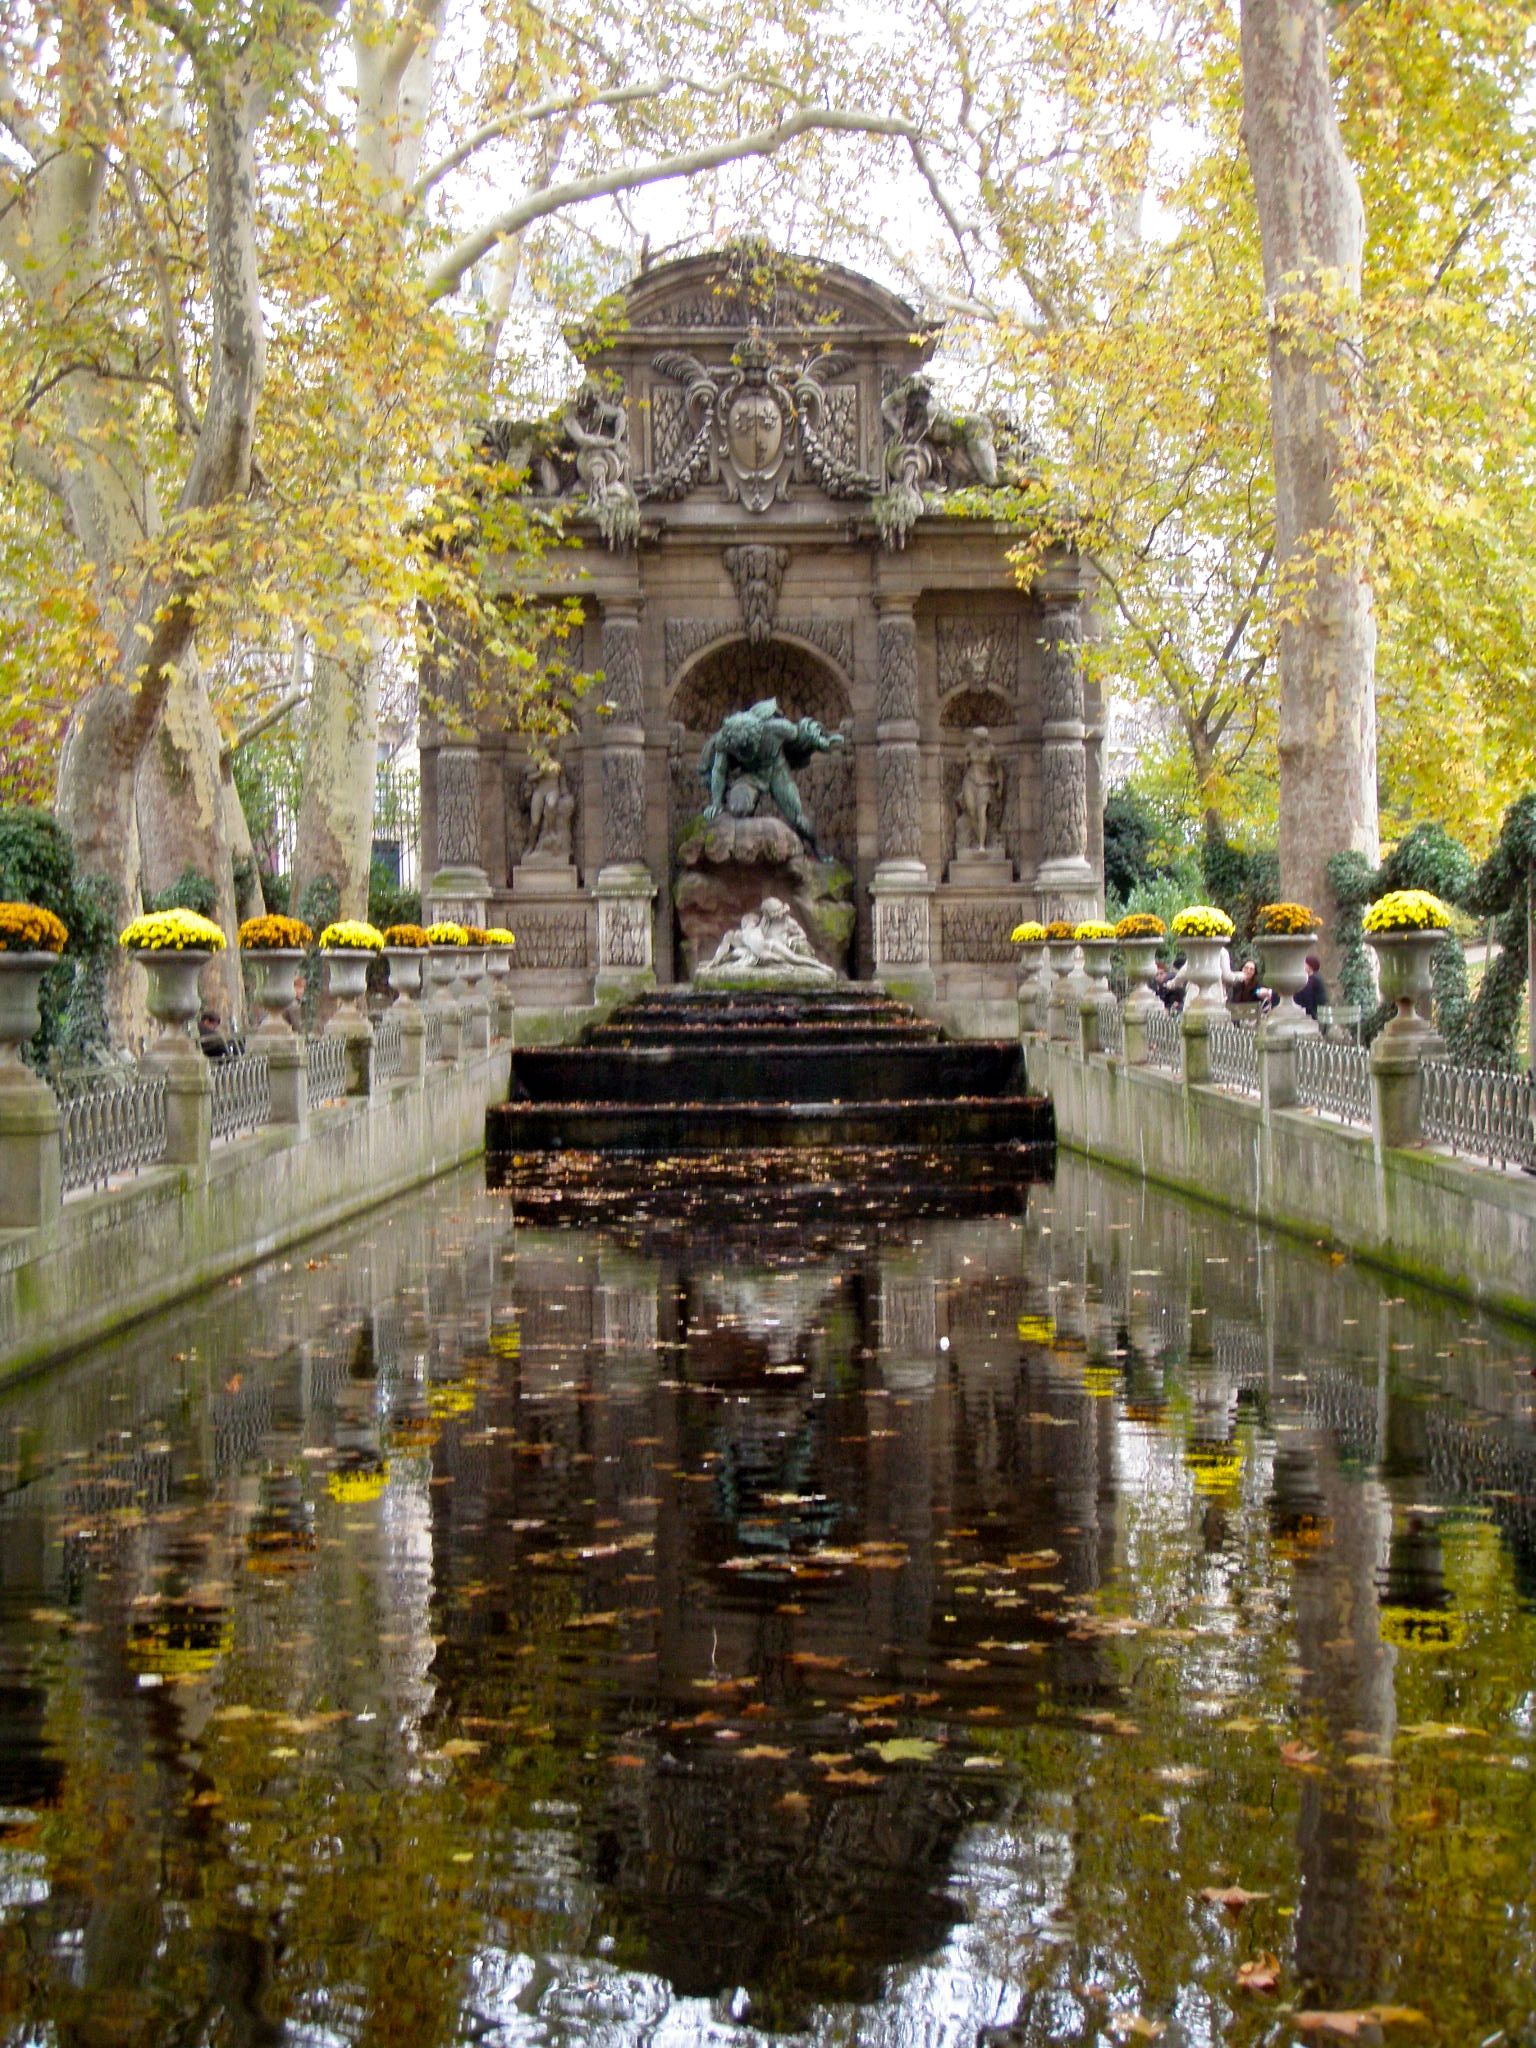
{"x":901,"y":886}
{"x":460,"y":886}
{"x":1065,"y":876}
{"x":625,"y":888}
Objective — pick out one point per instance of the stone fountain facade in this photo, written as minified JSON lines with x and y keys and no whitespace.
{"x":768,"y":503}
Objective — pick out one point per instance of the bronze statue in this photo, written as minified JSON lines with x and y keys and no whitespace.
{"x":751,"y":756}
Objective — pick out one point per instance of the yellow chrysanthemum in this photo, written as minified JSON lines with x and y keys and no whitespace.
{"x":25,"y":928}
{"x":172,"y":931}
{"x":1407,"y":910}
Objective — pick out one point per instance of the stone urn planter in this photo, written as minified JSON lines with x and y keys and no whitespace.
{"x":1063,"y":999}
{"x":471,"y":967}
{"x":1204,"y":987}
{"x":405,"y":970}
{"x":21,"y":985}
{"x":442,"y":971}
{"x":346,"y":976}
{"x":1140,"y":967}
{"x":1285,"y":969}
{"x":1403,"y":960}
{"x":1098,"y":958}
{"x":174,"y":1001}
{"x":1034,"y":985}
{"x":278,"y":972}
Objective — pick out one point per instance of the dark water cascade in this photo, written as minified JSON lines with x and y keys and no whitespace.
{"x":835,"y":1601}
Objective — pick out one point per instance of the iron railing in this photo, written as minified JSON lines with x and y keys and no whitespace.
{"x":388,"y":1046}
{"x":432,"y":1045}
{"x":327,"y":1070}
{"x":1111,"y":1028}
{"x":1481,"y":1110}
{"x":242,"y":1093}
{"x":1165,"y":1040}
{"x":1235,"y":1057}
{"x":1334,"y":1078}
{"x":113,"y":1123}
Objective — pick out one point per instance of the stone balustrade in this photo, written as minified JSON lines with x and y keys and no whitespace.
{"x":1392,"y":1151}
{"x":121,"y":1188}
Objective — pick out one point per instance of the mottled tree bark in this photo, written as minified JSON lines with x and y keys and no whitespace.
{"x":183,"y":822}
{"x":1312,"y":230}
{"x":335,"y":825}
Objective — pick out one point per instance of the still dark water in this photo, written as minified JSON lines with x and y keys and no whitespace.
{"x":869,"y":1628}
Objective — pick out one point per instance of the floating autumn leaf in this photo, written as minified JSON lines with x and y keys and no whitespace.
{"x":854,"y":1778}
{"x":1232,"y":1896}
{"x":1358,"y":2025}
{"x":766,"y":1751}
{"x":1297,"y":1755}
{"x":906,"y":1749}
{"x":1259,"y":1973}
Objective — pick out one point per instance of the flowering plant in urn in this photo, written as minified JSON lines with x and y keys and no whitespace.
{"x":1407,"y":910}
{"x":272,"y":934}
{"x":1285,"y":921}
{"x":1202,"y":921}
{"x":1406,"y":928}
{"x":1138,"y":936}
{"x":1204,"y":930}
{"x":1140,"y":924}
{"x":171,"y":931}
{"x":26,"y":928}
{"x":351,"y":935}
{"x":1028,"y":934}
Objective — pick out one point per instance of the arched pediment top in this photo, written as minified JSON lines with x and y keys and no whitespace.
{"x":739,"y":289}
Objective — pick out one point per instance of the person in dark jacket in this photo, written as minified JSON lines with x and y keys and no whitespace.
{"x":1313,"y":990}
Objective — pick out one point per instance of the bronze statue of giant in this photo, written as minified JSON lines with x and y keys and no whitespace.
{"x":753,"y":755}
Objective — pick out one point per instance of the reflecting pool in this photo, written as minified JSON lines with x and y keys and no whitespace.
{"x":1025,"y":1614}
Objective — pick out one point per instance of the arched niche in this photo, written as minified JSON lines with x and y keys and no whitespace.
{"x":732,"y":676}
{"x":959,"y":714}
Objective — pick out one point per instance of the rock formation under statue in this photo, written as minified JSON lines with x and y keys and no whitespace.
{"x":729,"y":868}
{"x":768,"y":949}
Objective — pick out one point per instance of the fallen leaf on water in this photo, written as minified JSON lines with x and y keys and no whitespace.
{"x":1355,"y":2025}
{"x":1260,"y":1972}
{"x":625,"y":1762}
{"x":905,"y":1749}
{"x":795,"y":1802}
{"x":854,"y":1778}
{"x":593,"y":1620}
{"x":965,"y":1663}
{"x":459,"y":1747}
{"x":1232,"y":1896}
{"x":767,"y":1750}
{"x":830,"y":1758}
{"x":1297,"y":1754}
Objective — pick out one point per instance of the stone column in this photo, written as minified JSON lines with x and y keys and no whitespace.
{"x":460,"y":887}
{"x":624,"y":889}
{"x":901,"y":887}
{"x":1065,"y":877}
{"x":1397,"y":1085}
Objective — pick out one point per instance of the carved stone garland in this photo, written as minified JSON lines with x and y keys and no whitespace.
{"x":758,"y":573}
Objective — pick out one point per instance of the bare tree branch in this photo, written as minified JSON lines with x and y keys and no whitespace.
{"x":445,"y":275}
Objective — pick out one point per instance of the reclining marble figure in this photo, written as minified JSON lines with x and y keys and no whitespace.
{"x":768,"y":940}
{"x":751,"y":756}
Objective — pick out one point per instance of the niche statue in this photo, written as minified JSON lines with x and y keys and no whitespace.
{"x":751,"y":756}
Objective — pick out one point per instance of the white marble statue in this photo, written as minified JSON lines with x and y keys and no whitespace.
{"x":768,"y":940}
